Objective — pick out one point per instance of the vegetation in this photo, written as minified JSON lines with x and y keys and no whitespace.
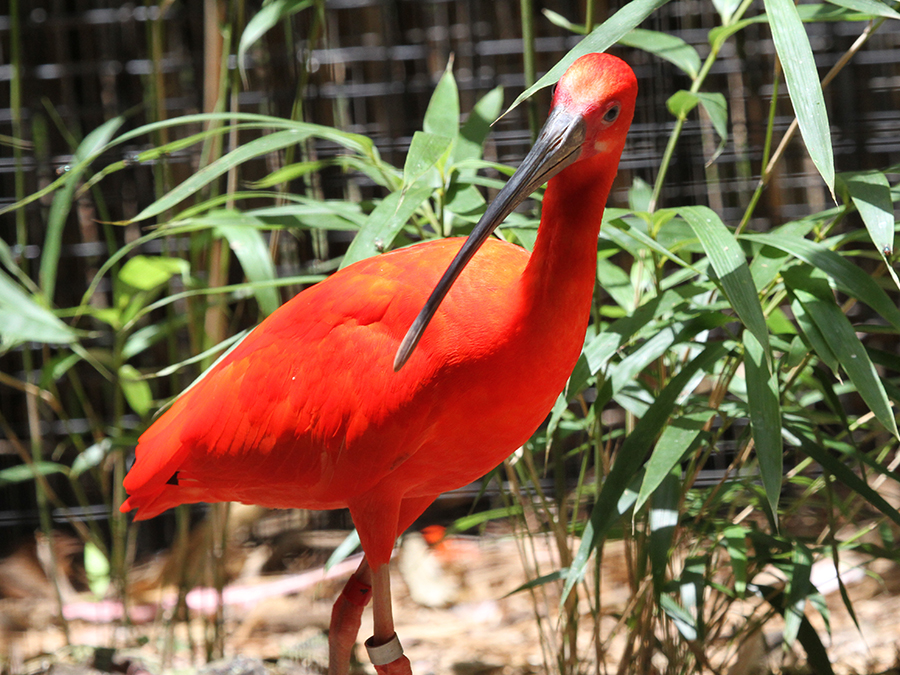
{"x":768,"y":355}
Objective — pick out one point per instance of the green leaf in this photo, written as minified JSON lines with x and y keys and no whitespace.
{"x":871,"y":7}
{"x":137,"y":390}
{"x":630,"y":458}
{"x":669,"y":47}
{"x":871,"y":195}
{"x":384,"y":223}
{"x":344,"y":549}
{"x":258,"y":146}
{"x":799,"y":64}
{"x":811,"y":289}
{"x":799,"y":588}
{"x":677,"y":439}
{"x":848,"y":277}
{"x":601,"y":38}
{"x":442,"y":114}
{"x":730,"y":266}
{"x":91,"y":456}
{"x":63,"y":200}
{"x":765,"y":417}
{"x":470,"y":143}
{"x":736,"y":545}
{"x":425,"y":152}
{"x":96,"y":566}
{"x":684,"y":622}
{"x":261,"y":22}
{"x":813,"y":448}
{"x":663,"y":519}
{"x":816,"y":654}
{"x":681,"y":103}
{"x":23,"y":472}
{"x":24,"y":320}
{"x":252,"y":250}
{"x":146,"y":273}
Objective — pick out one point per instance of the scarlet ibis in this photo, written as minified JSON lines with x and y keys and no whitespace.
{"x":313,"y":411}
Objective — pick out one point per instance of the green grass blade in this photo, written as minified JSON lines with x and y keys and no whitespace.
{"x":799,"y":64}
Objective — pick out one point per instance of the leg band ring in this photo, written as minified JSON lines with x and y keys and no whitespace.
{"x":389,"y":652}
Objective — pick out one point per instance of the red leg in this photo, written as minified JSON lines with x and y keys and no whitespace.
{"x":384,"y":648}
{"x":346,"y":616}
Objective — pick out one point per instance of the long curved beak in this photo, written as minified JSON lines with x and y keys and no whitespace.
{"x":558,"y":145}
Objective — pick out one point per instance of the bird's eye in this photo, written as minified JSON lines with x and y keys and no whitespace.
{"x":611,"y":114}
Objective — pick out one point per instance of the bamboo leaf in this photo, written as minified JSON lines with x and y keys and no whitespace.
{"x":799,"y":64}
{"x":384,"y":223}
{"x":630,"y":458}
{"x":677,"y":439}
{"x":848,"y":277}
{"x":258,"y":146}
{"x":470,"y":143}
{"x":425,"y":152}
{"x":252,"y":250}
{"x":63,"y":200}
{"x":136,"y":389}
{"x":736,"y":545}
{"x":871,"y":7}
{"x":663,"y":519}
{"x":145,"y":273}
{"x":871,"y":195}
{"x":765,"y":417}
{"x":261,"y":22}
{"x":811,"y":289}
{"x":24,"y":320}
{"x":23,"y":472}
{"x":601,"y":38}
{"x":730,"y":266}
{"x":669,"y":47}
{"x":442,"y":114}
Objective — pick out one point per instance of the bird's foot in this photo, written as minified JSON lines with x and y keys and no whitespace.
{"x":388,"y":658}
{"x":346,"y":616}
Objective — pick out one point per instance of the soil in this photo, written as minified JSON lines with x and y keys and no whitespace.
{"x":453,"y":606}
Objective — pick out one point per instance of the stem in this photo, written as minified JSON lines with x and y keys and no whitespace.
{"x":528,"y":63}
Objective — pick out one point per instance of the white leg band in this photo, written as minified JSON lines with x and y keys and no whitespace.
{"x":389,"y":652}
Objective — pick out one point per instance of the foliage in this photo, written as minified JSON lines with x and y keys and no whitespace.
{"x":706,"y":336}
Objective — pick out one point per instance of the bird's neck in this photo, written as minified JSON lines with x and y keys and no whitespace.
{"x":560,"y":274}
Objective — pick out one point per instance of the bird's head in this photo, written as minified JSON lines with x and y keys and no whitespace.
{"x":598,"y":91}
{"x":592,"y":110}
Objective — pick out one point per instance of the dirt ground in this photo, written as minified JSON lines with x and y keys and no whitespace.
{"x":275,"y":624}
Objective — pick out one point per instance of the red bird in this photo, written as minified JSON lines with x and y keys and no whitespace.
{"x":312,"y":411}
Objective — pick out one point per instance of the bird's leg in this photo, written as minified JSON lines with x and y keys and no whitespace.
{"x":384,"y":648}
{"x":346,"y":616}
